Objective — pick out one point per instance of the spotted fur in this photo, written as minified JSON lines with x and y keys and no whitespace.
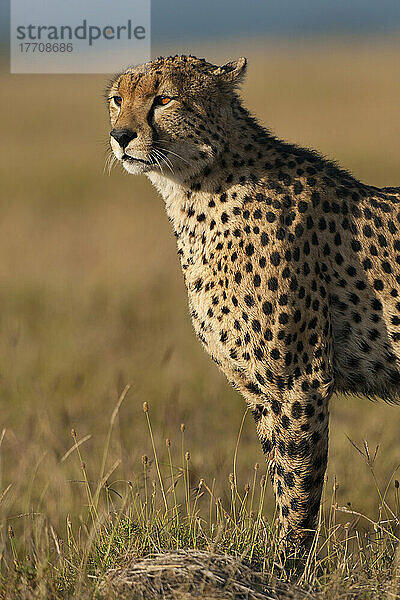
{"x":292,"y":266}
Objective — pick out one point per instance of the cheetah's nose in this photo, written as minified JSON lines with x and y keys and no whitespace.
{"x":123,"y":136}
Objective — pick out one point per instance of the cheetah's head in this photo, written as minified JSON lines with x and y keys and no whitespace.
{"x":170,"y":115}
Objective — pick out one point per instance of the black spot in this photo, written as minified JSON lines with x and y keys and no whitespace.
{"x":249,"y":249}
{"x":367,"y":231}
{"x":266,"y":446}
{"x":378,"y":285}
{"x":249,"y":300}
{"x":302,"y":206}
{"x":297,"y":188}
{"x":276,"y":407}
{"x":267,"y":308}
{"x":198,"y":284}
{"x":268,"y":335}
{"x":261,"y":381}
{"x":297,"y":410}
{"x":275,"y":258}
{"x":273,"y":284}
{"x":289,"y":479}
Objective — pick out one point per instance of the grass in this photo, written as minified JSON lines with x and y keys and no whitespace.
{"x":92,"y":299}
{"x":168,"y":508}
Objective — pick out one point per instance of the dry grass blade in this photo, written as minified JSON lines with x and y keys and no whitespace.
{"x":109,"y":473}
{"x":4,"y":492}
{"x":3,"y":433}
{"x":75,"y":446}
{"x":118,"y":405}
{"x":114,"y":415}
{"x":376,"y":524}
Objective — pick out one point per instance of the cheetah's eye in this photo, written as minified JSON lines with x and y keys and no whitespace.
{"x":162,"y":100}
{"x":117,"y":100}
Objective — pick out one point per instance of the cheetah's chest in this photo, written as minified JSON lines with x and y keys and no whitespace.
{"x":205,"y":271}
{"x":213,"y":317}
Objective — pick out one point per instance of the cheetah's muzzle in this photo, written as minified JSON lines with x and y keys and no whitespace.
{"x":292,"y":265}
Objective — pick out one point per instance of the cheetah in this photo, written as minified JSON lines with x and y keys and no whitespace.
{"x":292,"y":265}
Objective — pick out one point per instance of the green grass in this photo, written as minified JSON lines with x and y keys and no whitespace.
{"x":168,"y":507}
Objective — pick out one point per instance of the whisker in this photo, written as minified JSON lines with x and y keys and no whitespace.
{"x":174,"y":153}
{"x":161,"y":156}
{"x":157,"y":161}
{"x":164,"y":158}
{"x":109,"y":162}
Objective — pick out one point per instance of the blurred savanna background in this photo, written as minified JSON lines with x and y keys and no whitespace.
{"x":91,"y":293}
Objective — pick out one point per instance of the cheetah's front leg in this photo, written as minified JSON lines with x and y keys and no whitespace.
{"x":294,"y":437}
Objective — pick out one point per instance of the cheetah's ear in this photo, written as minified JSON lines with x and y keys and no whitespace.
{"x":232,"y":72}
